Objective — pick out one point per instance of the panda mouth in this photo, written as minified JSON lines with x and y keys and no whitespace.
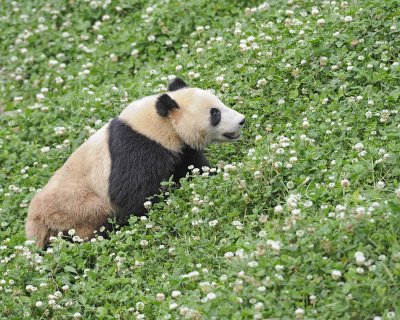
{"x":232,"y":135}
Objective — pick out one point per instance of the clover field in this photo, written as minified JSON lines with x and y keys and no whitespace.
{"x":302,"y":220}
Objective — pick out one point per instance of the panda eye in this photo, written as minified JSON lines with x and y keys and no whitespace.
{"x":215,"y":116}
{"x":214,"y":112}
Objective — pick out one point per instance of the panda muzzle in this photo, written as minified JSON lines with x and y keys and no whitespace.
{"x":232,"y":135}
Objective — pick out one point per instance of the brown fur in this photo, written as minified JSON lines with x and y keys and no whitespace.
{"x":76,"y":197}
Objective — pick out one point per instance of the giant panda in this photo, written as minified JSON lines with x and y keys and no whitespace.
{"x":122,"y":164}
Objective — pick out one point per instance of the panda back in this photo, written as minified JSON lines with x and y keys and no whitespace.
{"x":138,"y":166}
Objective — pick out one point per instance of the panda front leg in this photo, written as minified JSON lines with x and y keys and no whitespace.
{"x":190,"y":157}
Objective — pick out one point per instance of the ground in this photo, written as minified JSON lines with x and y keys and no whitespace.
{"x":302,"y":220}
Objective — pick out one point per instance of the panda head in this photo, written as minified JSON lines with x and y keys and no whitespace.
{"x":198,"y":116}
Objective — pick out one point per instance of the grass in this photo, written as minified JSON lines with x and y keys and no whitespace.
{"x":302,"y":221}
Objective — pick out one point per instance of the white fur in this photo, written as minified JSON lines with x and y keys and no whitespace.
{"x":192,"y":120}
{"x":189,"y":124}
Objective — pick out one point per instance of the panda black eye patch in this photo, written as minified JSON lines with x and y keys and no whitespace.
{"x":215,"y":116}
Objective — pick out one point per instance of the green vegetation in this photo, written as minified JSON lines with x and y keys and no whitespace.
{"x":302,"y":221}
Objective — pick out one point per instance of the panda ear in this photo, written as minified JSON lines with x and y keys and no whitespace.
{"x":165,"y":104}
{"x":177,"y":84}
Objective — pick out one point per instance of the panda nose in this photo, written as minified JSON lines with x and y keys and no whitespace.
{"x":242,"y":122}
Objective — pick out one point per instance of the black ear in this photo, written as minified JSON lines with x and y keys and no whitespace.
{"x":176,"y":84}
{"x":165,"y":104}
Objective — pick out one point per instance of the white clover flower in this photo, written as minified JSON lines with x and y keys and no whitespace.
{"x":275,"y":246}
{"x":313,"y":299}
{"x":359,"y":146}
{"x":290,"y":185}
{"x":300,"y":233}
{"x":151,"y":38}
{"x":71,"y":232}
{"x":45,"y":149}
{"x":59,"y":80}
{"x":237,"y":224}
{"x":40,"y":96}
{"x":262,"y":82}
{"x":252,"y":264}
{"x":27,"y":242}
{"x":259,"y":306}
{"x":262,"y":234}
{"x":278,"y":209}
{"x":314,"y":11}
{"x":320,"y":22}
{"x":360,"y":270}
{"x":199,"y":29}
{"x":213,"y":223}
{"x":144,"y":243}
{"x":211,"y":296}
{"x":279,"y":277}
{"x":380,"y":185}
{"x":360,"y":210}
{"x":345,"y":183}
{"x":299,"y":313}
{"x":173,"y":306}
{"x":30,"y":288}
{"x":279,"y":268}
{"x":257,"y":175}
{"x":113,"y":57}
{"x":308,"y":203}
{"x":160,"y":297}
{"x":336,"y":274}
{"x":348,"y":19}
{"x":195,"y":210}
{"x":193,"y":275}
{"x":38,"y":304}
{"x":135,"y":53}
{"x":175,"y":294}
{"x":224,"y":277}
{"x":360,"y":260}
{"x":362,"y":153}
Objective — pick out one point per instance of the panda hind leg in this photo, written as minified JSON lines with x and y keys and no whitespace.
{"x":38,"y":231}
{"x":86,"y":213}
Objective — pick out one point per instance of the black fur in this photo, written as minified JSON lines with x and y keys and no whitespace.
{"x":139,"y":165}
{"x":215,"y":116}
{"x":177,"y":84}
{"x":189,"y":157}
{"x":165,"y":104}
